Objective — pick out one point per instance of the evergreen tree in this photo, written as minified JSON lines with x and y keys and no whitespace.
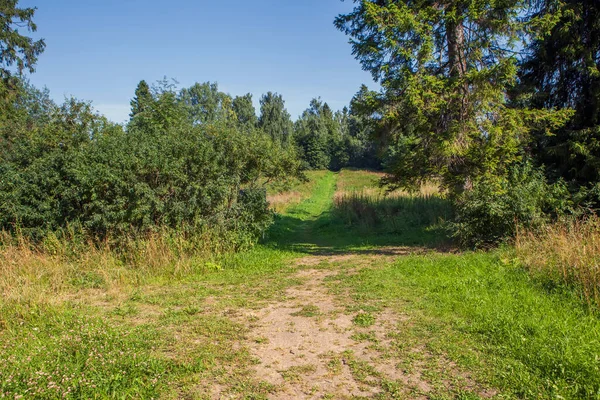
{"x":369,"y":144}
{"x":312,"y":136}
{"x":18,"y":53}
{"x":143,"y":100}
{"x":444,"y":68}
{"x":274,"y":118}
{"x":17,"y":50}
{"x":563,"y":71}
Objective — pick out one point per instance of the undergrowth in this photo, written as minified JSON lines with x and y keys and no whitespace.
{"x":565,"y":253}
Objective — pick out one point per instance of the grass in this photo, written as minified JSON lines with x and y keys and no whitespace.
{"x":410,"y":219}
{"x":281,"y":198}
{"x":566,"y":253}
{"x":490,"y":318}
{"x":307,"y":311}
{"x":351,"y":180}
{"x":364,"y":319}
{"x":116,"y":332}
{"x":60,"y":353}
{"x":169,"y":324}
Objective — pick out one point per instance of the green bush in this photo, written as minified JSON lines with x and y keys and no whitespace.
{"x":491,"y":212}
{"x":161,"y":171}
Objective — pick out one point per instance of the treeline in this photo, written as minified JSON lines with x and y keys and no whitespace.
{"x":194,"y":161}
{"x":499,"y":102}
{"x":322,"y":138}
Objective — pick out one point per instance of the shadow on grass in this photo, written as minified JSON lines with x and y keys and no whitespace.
{"x":386,"y":227}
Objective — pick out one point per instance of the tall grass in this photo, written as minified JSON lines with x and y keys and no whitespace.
{"x":392,"y":213}
{"x":281,"y":197}
{"x":39,"y":271}
{"x":567,"y":252}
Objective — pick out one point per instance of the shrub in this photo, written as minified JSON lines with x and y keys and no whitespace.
{"x":490,"y":212}
{"x":163,"y":172}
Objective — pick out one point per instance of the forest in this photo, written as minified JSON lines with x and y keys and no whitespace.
{"x":437,"y":238}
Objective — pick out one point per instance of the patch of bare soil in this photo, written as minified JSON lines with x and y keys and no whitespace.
{"x":305,"y":348}
{"x":361,"y":257}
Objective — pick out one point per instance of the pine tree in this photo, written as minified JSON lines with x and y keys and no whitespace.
{"x":143,"y":100}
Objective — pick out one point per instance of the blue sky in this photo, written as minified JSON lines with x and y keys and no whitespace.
{"x":99,"y":50}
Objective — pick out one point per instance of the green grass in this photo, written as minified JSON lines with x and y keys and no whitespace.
{"x":317,"y":226}
{"x":490,"y":318}
{"x":415,"y":220}
{"x":307,"y":311}
{"x":364,"y":319}
{"x":351,"y":180}
{"x":468,"y":321}
{"x":52,"y":353}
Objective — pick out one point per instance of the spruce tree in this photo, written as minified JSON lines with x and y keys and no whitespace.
{"x":16,"y":50}
{"x":445,"y":68}
{"x":143,"y":100}
{"x":274,"y":118}
{"x":562,"y":70}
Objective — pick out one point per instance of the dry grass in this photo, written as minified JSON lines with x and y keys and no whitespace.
{"x":279,"y":202}
{"x":366,"y":185}
{"x":568,"y":251}
{"x":42,"y":272}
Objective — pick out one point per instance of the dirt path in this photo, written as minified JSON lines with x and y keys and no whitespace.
{"x":319,"y":342}
{"x":312,"y":345}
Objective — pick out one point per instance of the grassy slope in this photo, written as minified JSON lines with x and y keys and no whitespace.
{"x":176,"y":337}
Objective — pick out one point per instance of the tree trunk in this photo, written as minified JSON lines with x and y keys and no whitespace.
{"x":457,"y":64}
{"x":455,"y":35}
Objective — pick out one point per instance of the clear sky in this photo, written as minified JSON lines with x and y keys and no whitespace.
{"x":99,"y":50}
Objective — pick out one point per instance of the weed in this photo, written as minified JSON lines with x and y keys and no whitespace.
{"x":307,"y":311}
{"x":566,"y":253}
{"x":363,"y":319}
{"x":295,"y":373}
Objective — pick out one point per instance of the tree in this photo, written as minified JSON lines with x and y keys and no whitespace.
{"x":143,"y":100}
{"x":445,"y":67}
{"x":562,"y":70}
{"x":16,"y":49}
{"x":206,"y":104}
{"x":312,"y":136}
{"x":274,"y":118}
{"x":17,"y":52}
{"x":244,"y":110}
{"x":360,"y":123}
